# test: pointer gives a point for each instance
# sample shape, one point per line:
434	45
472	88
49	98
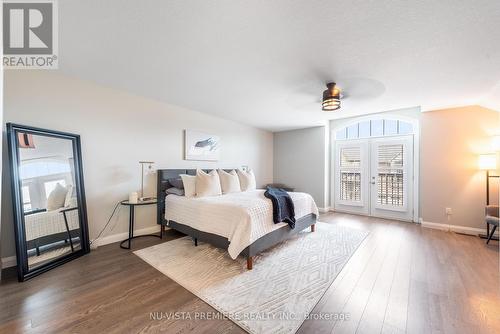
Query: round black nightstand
131	222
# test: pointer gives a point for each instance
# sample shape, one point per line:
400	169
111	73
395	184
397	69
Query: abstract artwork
201	146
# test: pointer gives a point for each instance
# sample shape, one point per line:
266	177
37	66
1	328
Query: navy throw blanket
283	208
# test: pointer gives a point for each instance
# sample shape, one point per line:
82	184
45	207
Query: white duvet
45	223
240	217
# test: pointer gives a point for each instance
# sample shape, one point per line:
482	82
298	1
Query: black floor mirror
48	197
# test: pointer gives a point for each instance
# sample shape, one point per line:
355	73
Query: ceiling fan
305	96
331	97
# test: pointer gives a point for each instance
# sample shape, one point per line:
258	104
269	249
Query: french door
375	177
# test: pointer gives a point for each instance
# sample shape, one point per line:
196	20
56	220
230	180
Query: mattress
49	222
241	217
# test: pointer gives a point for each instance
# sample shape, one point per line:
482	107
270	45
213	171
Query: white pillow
207	184
69	195
247	180
229	182
56	198
189	182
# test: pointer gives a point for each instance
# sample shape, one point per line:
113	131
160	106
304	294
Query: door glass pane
350	157
390	156
390	182
364	129
390	187
350	174
350	186
390	127
377	127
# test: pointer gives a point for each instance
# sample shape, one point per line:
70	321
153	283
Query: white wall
299	161
117	130
452	140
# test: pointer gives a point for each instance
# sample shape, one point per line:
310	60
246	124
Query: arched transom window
374	128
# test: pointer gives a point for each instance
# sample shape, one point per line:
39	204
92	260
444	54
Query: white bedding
240	217
49	222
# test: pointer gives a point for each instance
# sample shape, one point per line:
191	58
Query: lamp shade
487	162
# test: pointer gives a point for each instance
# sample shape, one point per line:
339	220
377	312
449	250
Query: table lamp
149	166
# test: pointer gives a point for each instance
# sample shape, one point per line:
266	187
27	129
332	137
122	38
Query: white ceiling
265	63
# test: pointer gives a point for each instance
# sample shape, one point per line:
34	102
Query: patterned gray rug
286	282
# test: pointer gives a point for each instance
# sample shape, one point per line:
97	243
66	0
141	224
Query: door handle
373	182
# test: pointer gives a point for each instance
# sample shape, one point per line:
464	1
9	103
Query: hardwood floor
403	278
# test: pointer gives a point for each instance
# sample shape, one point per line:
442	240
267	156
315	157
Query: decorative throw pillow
247	180
189	183
207	184
175	191
69	196
176	182
56	198
72	203
229	182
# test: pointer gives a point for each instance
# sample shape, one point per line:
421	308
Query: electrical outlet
448	211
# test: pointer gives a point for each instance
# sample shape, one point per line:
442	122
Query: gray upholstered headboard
162	185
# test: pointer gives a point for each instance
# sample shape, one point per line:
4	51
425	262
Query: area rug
283	287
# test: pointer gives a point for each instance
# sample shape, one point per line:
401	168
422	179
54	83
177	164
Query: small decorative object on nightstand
131	222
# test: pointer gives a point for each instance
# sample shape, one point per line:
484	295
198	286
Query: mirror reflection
49	200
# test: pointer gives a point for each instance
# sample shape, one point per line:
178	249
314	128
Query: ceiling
265	63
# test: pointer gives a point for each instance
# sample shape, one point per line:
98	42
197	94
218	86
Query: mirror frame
23	271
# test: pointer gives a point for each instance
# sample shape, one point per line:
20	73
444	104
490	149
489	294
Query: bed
47	227
241	222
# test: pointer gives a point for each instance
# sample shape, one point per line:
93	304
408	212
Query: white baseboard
7	262
122	236
455	228
436	226
324	210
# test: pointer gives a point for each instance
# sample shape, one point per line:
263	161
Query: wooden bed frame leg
313	227
250	262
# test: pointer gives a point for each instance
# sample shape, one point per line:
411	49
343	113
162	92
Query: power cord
109	220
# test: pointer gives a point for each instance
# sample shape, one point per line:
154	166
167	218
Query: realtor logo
30	34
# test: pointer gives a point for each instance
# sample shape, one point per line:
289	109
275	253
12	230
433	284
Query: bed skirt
257	246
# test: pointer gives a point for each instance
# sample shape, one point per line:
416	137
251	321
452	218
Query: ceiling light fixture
331	97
